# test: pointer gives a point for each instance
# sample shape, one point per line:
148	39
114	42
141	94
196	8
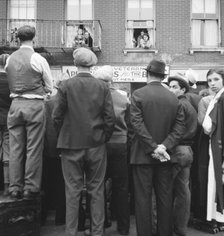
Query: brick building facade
172	26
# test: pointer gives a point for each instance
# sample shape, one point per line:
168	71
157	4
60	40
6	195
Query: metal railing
50	33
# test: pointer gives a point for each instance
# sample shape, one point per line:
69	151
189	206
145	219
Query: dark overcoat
83	112
157	118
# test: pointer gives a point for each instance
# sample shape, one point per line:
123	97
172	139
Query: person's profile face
175	88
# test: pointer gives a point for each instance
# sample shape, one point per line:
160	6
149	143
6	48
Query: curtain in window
150	33
130	38
196	33
71	33
211	33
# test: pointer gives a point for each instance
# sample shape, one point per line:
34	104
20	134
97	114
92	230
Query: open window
80	27
140	25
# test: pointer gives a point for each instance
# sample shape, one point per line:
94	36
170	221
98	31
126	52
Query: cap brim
154	72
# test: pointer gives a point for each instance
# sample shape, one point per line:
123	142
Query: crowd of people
84	133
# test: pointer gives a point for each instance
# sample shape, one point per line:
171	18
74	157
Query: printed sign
121	73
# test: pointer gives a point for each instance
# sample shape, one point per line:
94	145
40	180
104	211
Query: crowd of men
95	125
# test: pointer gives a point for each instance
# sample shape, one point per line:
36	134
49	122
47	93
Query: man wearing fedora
158	123
84	118
182	157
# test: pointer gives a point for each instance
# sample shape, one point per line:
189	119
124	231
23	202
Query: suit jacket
157	118
83	112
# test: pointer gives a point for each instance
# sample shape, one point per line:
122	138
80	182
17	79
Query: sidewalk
51	230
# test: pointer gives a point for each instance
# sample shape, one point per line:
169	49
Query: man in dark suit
158	123
85	119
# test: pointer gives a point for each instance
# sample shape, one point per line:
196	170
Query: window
79	9
79	16
140	21
205	22
21	12
22	9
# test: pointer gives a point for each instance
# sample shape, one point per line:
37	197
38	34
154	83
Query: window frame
24	18
140	24
203	17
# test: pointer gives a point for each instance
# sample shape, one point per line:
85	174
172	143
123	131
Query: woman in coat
214	128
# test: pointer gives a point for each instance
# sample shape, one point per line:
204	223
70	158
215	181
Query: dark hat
26	33
181	79
3	59
157	67
84	57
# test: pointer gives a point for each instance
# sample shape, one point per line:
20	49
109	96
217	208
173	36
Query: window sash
203	9
140	10
79	10
22	9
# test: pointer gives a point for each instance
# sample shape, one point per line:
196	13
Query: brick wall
3	9
50	9
111	14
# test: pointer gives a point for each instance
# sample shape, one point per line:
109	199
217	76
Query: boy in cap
84	117
183	157
158	122
30	79
5	103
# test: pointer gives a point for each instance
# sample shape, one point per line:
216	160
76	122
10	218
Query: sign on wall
133	73
121	73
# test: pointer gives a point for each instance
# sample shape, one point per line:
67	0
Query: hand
159	157
160	153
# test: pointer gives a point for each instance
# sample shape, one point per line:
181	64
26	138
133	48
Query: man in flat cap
182	156
84	118
30	79
158	122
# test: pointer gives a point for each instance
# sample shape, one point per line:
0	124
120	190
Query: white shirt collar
26	46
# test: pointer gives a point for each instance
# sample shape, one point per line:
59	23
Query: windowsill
139	50
193	50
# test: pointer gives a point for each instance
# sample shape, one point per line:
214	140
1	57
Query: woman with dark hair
211	156
145	42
